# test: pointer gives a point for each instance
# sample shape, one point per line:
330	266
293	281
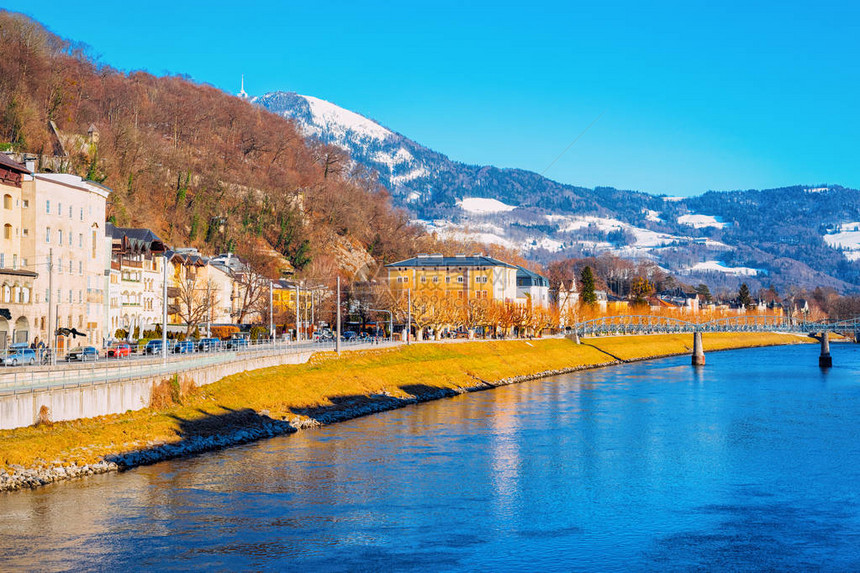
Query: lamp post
409	315
164	310
337	310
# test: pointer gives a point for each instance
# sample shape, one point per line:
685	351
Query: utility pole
313	319
52	329
164	310
409	315
298	325
271	314
209	311
337	329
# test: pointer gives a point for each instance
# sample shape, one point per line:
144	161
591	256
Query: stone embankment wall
100	399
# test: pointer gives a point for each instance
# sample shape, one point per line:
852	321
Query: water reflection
750	462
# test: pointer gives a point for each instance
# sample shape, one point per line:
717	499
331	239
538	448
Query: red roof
7	162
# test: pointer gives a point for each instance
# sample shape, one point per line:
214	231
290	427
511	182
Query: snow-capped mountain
792	236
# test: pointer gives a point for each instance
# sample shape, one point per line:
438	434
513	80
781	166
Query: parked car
19	353
184	347
153	346
209	344
349	335
237	342
82	353
323	336
119	349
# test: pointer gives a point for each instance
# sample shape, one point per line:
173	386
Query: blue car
153	346
209	344
184	347
237	343
18	353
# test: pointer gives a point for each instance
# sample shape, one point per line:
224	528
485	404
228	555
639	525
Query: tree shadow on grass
210	431
354	406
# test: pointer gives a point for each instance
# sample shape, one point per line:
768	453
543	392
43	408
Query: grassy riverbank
353	384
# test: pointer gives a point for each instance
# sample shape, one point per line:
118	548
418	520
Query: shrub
224	332
121	333
258	332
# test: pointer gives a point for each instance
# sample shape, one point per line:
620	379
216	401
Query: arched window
7	293
7	201
7	230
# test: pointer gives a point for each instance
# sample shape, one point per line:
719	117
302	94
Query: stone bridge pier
824	359
698	350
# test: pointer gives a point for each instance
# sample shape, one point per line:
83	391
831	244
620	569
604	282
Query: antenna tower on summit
242	94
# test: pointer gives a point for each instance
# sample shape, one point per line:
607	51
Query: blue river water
750	463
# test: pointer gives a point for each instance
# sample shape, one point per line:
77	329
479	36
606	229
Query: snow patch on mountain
483	206
846	236
718	267
701	221
341	122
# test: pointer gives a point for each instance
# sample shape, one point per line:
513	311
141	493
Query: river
752	462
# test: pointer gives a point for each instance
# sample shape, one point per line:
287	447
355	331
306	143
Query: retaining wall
99	399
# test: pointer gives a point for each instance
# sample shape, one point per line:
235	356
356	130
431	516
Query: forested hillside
196	165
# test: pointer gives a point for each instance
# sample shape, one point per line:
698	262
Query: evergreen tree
703	291
744	295
587	281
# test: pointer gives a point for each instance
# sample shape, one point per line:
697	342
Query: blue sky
693	95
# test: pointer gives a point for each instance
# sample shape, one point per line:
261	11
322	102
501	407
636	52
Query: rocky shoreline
51	472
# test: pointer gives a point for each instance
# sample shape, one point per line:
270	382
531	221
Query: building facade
135	278
66	218
18	269
466	277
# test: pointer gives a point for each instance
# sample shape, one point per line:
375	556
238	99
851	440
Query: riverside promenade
72	391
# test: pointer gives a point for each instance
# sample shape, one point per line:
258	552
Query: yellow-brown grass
286	391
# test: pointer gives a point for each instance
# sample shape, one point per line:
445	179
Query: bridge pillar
698	351
825	360
857	336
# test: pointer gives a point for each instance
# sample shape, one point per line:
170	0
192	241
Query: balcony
132	264
115	266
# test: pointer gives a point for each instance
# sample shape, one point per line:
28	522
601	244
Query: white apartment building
66	221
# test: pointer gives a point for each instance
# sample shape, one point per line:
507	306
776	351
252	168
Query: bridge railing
650	324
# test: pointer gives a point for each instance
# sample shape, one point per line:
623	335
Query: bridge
648	324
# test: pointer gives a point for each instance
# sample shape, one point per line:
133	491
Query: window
25	204
48	207
7	293
71	295
2	260
423	279
60	235
82	213
435	279
25	232
7	231
94	244
15	262
47	234
80	296
7	201
60	209
70	239
81	267
460	279
70	211
71	266
60	265
80	240
447	279
47	299
24	263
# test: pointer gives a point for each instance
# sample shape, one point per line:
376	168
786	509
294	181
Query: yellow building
467	277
